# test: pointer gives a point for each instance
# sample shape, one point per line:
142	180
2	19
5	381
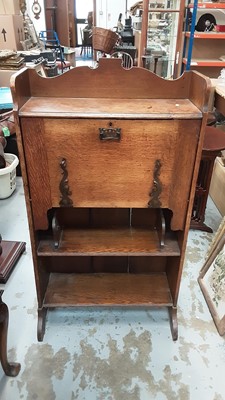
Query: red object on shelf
220	28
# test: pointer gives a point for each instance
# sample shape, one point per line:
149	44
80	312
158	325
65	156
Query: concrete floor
110	354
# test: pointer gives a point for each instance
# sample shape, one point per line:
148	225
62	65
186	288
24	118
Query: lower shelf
117	242
67	290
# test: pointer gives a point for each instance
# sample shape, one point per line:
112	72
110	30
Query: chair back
127	60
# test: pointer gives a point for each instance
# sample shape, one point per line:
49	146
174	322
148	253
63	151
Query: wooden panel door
110	173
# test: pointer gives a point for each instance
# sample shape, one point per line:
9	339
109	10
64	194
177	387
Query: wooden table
10	251
10	369
214	143
219	101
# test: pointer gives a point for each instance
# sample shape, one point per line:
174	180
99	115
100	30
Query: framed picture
212	279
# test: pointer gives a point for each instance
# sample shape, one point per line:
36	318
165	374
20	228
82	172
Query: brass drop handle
110	133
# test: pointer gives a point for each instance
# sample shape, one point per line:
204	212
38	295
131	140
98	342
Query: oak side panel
37	169
184	164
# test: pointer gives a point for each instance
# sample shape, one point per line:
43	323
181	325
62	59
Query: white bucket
8	176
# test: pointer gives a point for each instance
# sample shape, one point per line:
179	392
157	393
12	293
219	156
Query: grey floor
110	354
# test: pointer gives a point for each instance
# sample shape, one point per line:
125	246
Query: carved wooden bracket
156	190
64	186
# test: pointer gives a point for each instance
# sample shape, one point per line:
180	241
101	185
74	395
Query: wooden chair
86	39
127	60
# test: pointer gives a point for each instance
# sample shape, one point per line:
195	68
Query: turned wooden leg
10	369
173	322
41	323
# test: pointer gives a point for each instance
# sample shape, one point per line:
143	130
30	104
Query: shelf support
56	231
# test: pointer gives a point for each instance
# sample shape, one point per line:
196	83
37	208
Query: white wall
39	24
108	12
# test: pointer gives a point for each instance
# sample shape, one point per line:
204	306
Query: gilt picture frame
212	279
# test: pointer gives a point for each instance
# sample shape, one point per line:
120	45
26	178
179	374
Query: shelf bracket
56	231
161	227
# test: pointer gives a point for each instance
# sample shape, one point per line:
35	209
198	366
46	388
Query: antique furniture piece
10	251
10	369
110	161
214	142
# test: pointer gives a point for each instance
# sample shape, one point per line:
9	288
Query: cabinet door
122	171
161	36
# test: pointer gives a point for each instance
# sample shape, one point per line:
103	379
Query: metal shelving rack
208	59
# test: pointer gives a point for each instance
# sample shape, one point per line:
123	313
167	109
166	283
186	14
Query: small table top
214	139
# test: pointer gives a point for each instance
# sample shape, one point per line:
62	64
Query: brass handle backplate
110	133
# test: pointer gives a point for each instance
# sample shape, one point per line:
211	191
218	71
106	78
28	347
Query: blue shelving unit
192	32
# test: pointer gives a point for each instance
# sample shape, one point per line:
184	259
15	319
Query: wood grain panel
111	108
110	173
37	170
184	165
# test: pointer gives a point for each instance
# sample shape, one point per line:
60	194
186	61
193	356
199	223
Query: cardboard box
11	32
5	76
217	186
10	7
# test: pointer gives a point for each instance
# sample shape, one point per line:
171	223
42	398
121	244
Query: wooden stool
214	142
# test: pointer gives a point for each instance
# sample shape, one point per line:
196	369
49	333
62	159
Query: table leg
10	369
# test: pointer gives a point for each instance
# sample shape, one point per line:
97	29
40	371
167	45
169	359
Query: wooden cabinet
161	36
110	160
60	17
204	48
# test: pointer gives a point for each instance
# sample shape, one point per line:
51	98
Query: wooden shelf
68	290
110	108
205	63
121	242
165	10
206	35
218	6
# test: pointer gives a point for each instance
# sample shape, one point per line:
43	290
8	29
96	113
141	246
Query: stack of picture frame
212	278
